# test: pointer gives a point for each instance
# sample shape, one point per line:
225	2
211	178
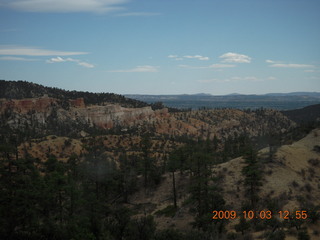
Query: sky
163	46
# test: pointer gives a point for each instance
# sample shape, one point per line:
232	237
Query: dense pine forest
61	179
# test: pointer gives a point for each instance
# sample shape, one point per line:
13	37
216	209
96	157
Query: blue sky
162	46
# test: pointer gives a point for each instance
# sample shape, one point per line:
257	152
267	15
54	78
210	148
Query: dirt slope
291	179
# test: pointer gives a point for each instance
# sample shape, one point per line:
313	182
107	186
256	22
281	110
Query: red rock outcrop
111	115
78	102
106	117
25	105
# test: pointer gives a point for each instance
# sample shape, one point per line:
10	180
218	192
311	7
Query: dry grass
279	182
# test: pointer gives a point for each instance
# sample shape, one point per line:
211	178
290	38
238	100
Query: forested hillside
77	165
24	89
304	115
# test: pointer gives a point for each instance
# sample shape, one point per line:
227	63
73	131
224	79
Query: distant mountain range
279	101
308	94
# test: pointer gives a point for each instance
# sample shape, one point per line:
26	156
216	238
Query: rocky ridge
22	112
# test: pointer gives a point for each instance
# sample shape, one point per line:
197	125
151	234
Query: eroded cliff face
53	116
110	115
24	106
46	110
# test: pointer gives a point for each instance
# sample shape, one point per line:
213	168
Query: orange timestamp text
264	214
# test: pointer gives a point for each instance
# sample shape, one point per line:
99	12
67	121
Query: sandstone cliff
24	106
62	117
46	110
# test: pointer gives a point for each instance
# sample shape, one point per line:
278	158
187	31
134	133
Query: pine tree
172	167
20	184
127	178
253	177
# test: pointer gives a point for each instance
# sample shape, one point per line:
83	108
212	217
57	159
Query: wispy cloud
175	57
145	68
235	58
214	66
138	14
219	65
34	51
311	70
85	64
79	62
57	60
10	58
198	57
270	61
292	65
279	64
96	6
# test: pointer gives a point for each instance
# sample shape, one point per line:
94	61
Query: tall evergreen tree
20	198
172	167
253	176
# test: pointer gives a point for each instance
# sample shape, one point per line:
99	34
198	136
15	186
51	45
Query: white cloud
292	65
175	57
199	57
279	64
55	60
34	51
10	58
97	6
270	61
79	62
235	58
85	64
221	66
215	66
145	68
